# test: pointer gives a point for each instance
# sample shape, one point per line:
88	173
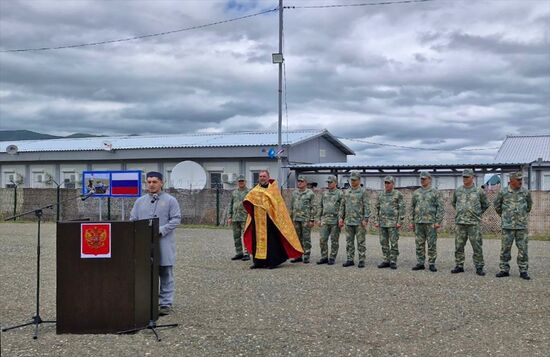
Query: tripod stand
36	319
38	212
152	324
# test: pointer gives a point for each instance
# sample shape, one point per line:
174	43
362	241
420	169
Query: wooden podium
106	294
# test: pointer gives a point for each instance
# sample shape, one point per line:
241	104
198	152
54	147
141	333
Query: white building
41	163
530	154
534	152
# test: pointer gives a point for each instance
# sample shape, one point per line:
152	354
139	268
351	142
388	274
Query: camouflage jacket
427	206
390	209
302	206
236	209
513	207
470	203
329	206
355	206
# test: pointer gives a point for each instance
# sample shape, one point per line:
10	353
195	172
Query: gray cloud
445	75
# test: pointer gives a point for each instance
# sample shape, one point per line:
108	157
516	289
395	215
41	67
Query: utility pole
280	142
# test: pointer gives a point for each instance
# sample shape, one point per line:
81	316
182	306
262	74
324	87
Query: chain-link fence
210	206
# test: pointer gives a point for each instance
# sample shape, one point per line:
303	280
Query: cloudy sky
454	77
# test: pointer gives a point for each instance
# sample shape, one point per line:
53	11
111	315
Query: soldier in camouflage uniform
470	202
513	205
302	211
390	213
327	217
354	213
427	212
237	218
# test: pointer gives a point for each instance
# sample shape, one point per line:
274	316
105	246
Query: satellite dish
12	149
188	175
107	146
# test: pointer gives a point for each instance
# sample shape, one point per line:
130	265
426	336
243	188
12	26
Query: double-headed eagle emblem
96	237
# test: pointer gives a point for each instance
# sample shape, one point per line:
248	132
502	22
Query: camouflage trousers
238	228
352	233
465	232
521	237
425	232
389	238
332	231
304	234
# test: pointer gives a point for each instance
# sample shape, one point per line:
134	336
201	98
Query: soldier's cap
467	173
354	175
241	178
517	175
154	174
389	179
424	174
332	179
302	178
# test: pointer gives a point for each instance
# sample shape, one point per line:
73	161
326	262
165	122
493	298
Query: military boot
384	265
480	272
322	261
361	264
457	270
238	256
502	274
330	261
393	265
348	263
433	268
524	275
418	267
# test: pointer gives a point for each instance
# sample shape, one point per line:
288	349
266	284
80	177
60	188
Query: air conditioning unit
19	179
229	178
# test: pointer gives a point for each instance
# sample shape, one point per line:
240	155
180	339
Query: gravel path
224	308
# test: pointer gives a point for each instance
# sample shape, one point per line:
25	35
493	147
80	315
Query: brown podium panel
108	294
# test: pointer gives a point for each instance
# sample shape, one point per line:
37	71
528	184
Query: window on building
545	182
255	177
9	179
38	179
167	181
216	180
69	179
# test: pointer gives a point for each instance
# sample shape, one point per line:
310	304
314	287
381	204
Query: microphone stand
152	324
38	212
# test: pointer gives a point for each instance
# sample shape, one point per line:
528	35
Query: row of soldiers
350	210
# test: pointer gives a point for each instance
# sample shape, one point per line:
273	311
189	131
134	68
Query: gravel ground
224	308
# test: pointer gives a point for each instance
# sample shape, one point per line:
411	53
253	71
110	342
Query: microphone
154	198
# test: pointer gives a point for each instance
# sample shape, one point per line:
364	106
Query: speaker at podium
104	275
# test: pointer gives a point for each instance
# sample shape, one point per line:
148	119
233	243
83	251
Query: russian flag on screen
125	183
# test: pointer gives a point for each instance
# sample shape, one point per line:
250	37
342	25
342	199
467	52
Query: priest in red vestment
269	234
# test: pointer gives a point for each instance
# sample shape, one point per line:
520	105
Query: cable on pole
141	36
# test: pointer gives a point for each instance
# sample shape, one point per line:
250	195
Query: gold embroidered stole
269	202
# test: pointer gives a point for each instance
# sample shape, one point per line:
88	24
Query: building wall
316	151
14	171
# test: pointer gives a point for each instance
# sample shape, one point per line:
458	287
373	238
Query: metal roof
524	148
343	167
250	138
360	166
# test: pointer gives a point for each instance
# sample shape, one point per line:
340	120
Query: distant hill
14	135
